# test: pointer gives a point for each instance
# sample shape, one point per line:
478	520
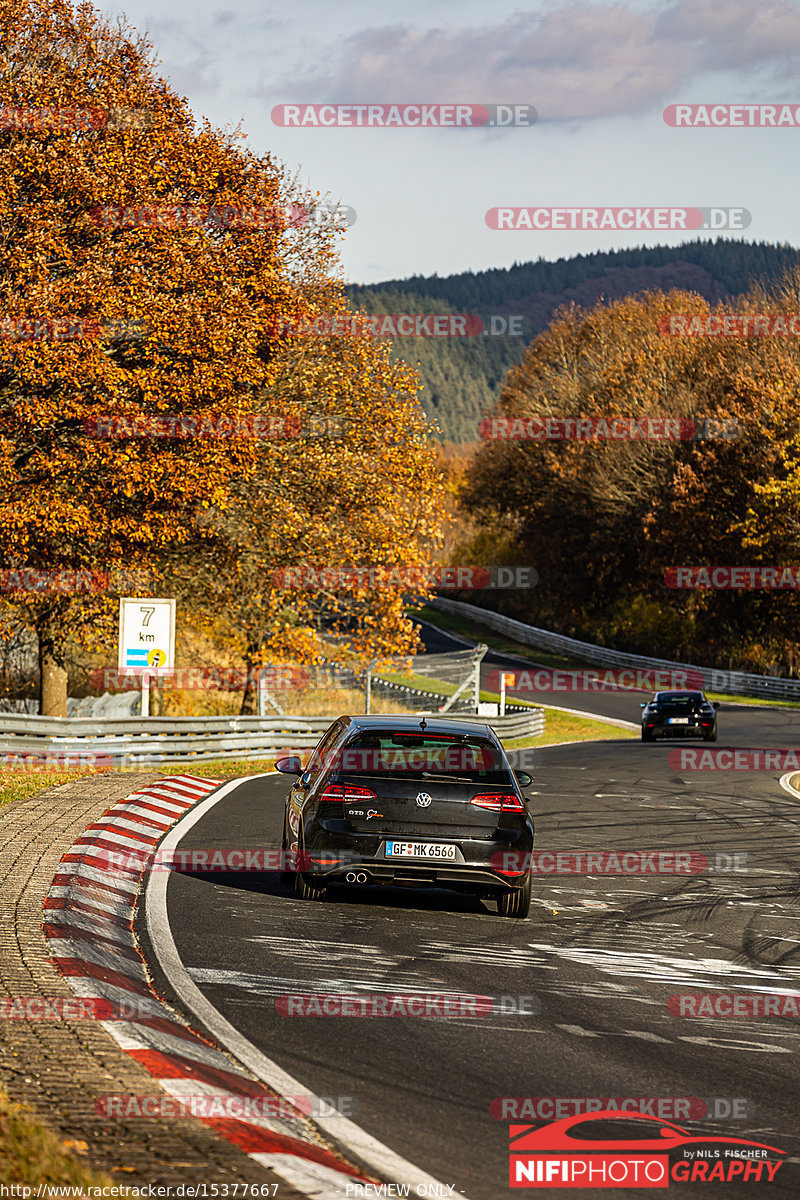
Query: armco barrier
733	683
143	740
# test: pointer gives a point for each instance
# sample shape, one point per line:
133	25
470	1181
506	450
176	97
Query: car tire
286	874
305	890
710	737
647	736
517	901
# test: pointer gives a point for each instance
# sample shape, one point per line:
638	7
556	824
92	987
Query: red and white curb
89	922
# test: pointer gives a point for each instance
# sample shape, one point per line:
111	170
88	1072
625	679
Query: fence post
480	651
368	687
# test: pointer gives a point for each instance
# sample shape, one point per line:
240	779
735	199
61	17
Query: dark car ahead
679	714
410	801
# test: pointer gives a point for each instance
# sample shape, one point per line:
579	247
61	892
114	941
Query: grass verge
725	697
563	727
31	1154
495	641
17	783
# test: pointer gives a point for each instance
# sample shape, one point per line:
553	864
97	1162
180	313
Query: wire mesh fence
447	683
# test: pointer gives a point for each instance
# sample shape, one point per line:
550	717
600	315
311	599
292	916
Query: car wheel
517	901
710	737
647	735
305	890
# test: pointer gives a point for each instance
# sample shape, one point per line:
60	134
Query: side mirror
524	778
290	765
642	706
716	704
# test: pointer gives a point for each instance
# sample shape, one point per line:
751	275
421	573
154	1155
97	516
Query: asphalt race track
600	954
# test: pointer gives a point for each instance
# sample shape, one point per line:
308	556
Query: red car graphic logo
569	1153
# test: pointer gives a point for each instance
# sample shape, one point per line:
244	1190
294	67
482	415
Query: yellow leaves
209	299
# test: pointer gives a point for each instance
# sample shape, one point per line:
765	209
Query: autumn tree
572	508
207	291
358	486
734	502
603	520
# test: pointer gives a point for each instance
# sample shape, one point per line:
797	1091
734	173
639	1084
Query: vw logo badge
423	799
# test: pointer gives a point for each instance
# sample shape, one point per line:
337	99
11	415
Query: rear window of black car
420	756
680	700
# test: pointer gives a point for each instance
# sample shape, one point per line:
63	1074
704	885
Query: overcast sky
599	75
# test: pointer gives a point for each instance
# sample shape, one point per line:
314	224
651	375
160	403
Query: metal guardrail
735	683
192	739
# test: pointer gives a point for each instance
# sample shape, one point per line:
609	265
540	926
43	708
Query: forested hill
463	376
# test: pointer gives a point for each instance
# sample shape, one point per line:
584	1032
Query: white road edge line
368	1149
787	786
577	712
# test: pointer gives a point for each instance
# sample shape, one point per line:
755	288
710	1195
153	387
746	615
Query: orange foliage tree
208	296
603	520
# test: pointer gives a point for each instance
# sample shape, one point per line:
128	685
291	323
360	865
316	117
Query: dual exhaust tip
352	877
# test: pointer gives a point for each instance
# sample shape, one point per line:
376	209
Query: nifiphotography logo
619	1149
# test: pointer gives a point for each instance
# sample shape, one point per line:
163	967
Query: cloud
735	33
578	61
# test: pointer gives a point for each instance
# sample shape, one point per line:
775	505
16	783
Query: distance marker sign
146	634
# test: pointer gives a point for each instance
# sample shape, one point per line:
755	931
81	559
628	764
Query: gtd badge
423	799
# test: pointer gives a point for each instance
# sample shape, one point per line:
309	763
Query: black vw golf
410	801
679	714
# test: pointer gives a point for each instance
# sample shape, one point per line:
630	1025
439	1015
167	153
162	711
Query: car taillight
498	802
347	791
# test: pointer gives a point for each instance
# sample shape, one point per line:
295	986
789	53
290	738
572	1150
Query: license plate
420	850
679	720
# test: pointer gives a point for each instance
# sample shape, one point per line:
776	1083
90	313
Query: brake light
341	792
498	802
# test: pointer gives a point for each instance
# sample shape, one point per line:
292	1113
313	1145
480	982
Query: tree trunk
52	674
250	695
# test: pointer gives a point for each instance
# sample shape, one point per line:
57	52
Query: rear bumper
680	731
418	875
333	857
